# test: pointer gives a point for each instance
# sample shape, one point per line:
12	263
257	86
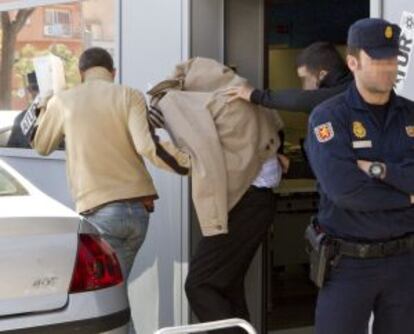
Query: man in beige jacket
107	135
235	165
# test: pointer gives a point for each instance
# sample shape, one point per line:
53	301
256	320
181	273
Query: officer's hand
242	92
284	162
364	166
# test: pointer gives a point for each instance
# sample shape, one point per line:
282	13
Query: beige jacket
106	132
228	143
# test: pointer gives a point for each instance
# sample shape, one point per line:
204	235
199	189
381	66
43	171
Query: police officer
361	148
323	74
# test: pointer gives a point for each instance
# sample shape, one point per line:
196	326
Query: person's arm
335	165
294	99
164	155
49	128
396	174
400	175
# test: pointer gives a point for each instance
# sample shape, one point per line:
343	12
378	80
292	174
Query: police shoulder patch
324	132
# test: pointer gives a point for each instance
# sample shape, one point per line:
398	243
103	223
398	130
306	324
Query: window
58	23
9	185
57	30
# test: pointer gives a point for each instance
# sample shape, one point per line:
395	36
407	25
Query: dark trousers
359	287
215	282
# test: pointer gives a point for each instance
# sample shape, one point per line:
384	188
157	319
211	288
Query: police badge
388	32
359	130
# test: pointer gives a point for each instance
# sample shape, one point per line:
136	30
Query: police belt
375	249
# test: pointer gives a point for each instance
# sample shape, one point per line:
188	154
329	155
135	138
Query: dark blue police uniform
357	208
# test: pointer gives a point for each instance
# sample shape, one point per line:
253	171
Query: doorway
290	26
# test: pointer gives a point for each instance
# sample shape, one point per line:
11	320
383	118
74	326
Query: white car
58	275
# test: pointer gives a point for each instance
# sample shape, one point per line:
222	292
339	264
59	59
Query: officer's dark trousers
215	283
357	288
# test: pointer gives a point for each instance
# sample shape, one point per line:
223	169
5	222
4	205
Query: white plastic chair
208	326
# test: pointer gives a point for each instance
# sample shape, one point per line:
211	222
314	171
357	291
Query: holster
321	254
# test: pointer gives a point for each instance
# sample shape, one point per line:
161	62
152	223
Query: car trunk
37	255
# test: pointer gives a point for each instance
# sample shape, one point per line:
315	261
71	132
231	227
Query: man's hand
242	92
366	165
284	162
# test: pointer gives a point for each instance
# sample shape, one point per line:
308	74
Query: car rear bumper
104	324
102	311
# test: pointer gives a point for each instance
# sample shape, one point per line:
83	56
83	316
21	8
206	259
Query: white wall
155	37
244	35
244	47
207	29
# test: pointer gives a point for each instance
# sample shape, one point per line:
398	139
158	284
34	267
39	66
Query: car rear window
9	185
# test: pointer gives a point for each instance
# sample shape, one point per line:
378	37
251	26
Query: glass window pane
9	185
64	30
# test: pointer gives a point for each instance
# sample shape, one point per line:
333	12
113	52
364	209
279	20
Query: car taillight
96	267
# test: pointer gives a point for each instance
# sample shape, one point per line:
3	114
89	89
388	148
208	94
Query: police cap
377	37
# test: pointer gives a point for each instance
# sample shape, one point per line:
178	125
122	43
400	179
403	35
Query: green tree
10	28
24	63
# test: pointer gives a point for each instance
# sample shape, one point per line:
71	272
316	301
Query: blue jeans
124	226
